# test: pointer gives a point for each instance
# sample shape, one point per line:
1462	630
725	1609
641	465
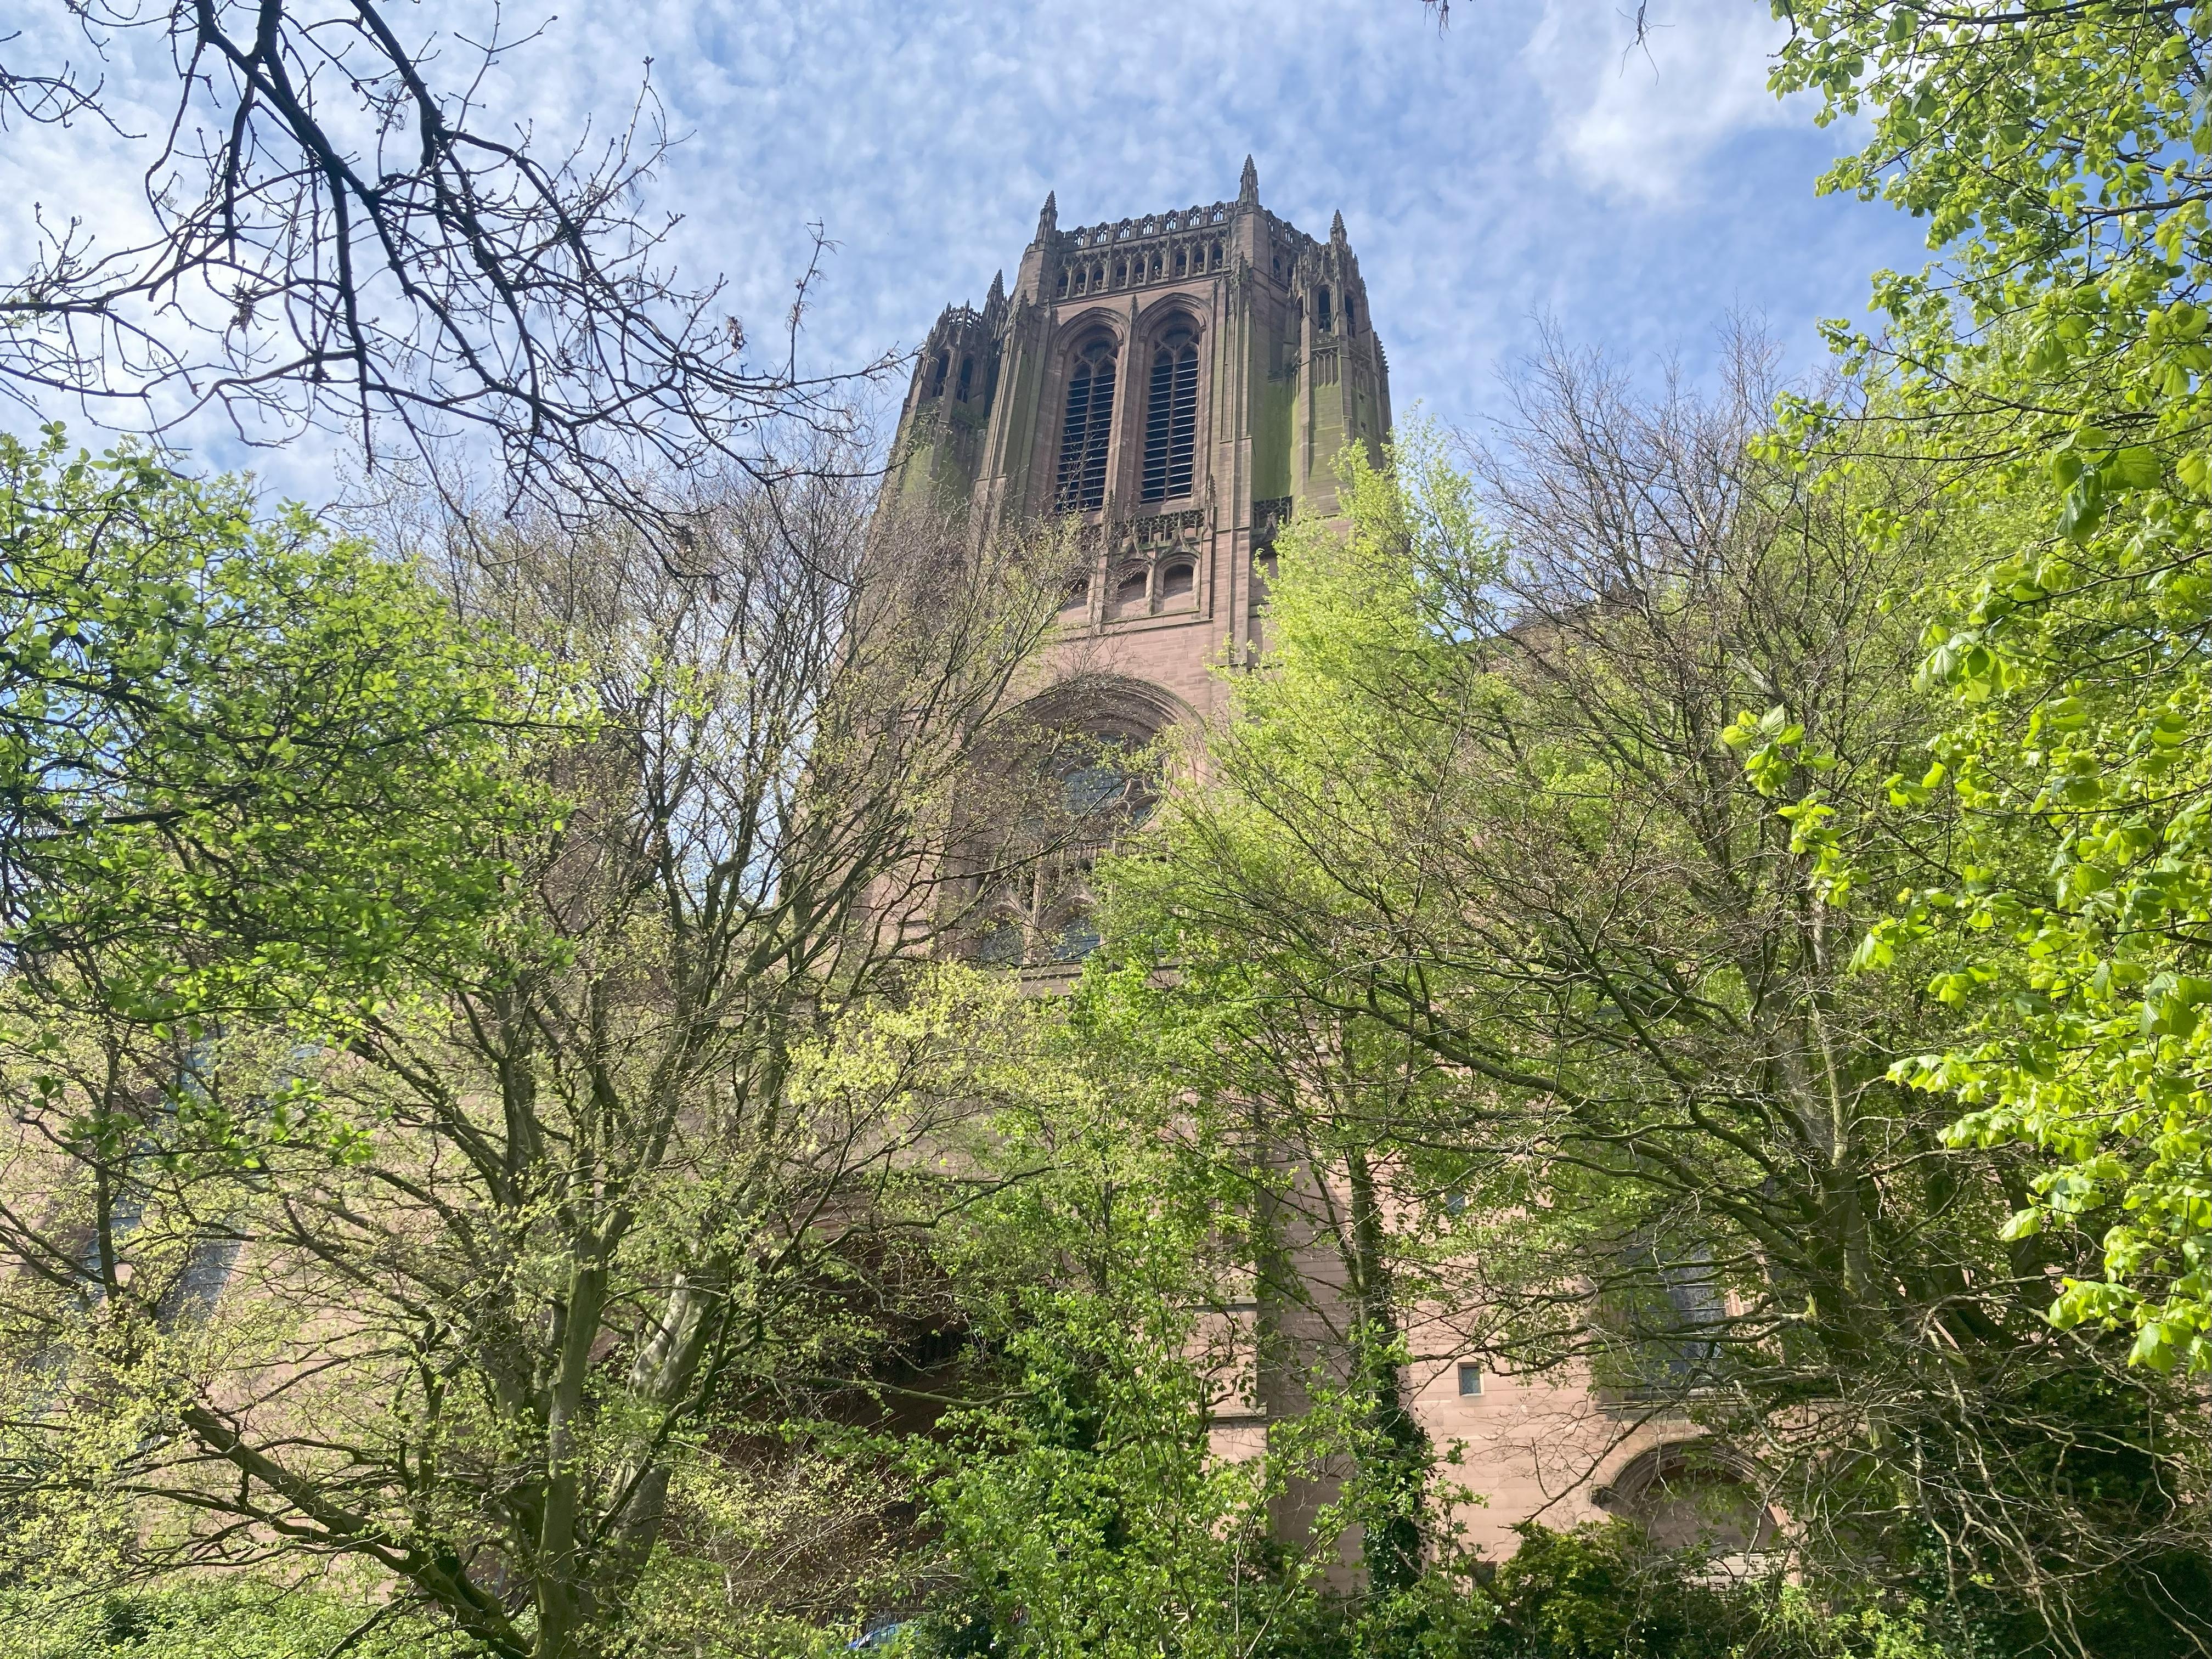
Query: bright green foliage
1472	917
240	1620
608	1189
2057	366
1077	1496
245	765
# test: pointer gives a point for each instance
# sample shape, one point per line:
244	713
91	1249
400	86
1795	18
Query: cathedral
1182	383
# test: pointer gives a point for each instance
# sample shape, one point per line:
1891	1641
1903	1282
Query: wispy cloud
1512	166
1641	94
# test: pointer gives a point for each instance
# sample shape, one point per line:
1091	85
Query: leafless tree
343	235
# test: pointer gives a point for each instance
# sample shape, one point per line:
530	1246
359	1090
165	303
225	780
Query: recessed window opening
1097	276
1171	418
1320	309
1347	314
1000	945
1217	252
967	379
1079	595
1086	425
1132	590
1156	265
1121	272
1063	284
937	375
1182	261
1076	939
1174	582
1470	1381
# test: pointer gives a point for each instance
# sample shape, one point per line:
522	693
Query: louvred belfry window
1084	432
1171	419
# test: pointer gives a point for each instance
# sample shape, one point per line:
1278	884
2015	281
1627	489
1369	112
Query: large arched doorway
1692	1495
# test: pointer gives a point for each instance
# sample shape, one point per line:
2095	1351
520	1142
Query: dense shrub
235	1621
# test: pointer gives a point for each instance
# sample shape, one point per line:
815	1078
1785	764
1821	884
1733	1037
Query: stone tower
1184	381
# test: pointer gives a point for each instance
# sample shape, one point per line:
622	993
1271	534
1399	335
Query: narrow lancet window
1087	425
1171	419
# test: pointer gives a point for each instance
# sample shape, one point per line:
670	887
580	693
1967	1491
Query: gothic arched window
967	379
1085	428
1320	309
1076	938
1171	418
1002	943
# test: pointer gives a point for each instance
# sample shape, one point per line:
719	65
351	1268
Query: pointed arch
1086	427
1171	416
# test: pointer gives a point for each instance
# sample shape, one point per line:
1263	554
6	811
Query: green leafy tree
1076	1497
527	1248
2055	363
1586	982
244	764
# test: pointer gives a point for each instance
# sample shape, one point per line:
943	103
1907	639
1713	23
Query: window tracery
1098	787
1086	426
1171	418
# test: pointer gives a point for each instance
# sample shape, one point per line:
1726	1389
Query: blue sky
1526	162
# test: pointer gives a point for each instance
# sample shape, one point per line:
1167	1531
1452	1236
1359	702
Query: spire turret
1248	187
1049	219
1336	228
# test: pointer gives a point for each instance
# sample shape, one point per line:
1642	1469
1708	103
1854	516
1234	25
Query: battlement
1153	225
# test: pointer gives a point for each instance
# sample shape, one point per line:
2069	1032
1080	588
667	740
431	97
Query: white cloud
1482	170
1640	119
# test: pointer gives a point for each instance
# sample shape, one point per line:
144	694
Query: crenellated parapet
1171	246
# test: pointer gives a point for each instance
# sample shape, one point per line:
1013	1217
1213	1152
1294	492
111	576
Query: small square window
1470	1381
